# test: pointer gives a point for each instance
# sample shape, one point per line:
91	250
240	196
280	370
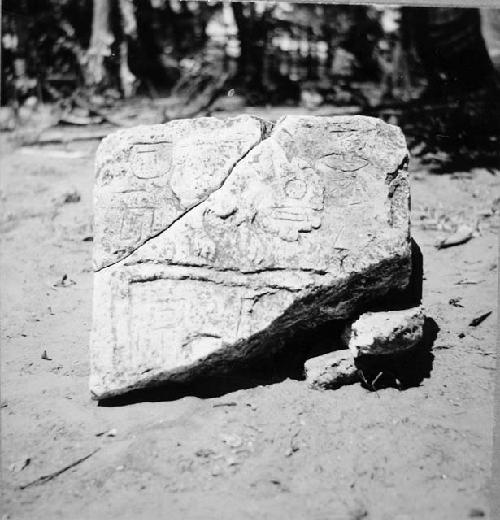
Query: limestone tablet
214	239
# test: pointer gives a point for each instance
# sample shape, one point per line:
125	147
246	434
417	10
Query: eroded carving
180	320
151	160
200	167
297	202
137	223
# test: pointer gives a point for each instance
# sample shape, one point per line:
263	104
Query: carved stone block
214	239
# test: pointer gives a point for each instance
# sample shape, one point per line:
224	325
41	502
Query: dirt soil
270	452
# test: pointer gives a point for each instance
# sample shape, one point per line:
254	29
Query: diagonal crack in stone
265	134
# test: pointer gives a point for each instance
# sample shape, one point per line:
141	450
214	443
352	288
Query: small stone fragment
108	433
216	471
477	321
461	236
71	197
389	332
18	466
64	282
204	453
220	405
232	461
233	441
331	370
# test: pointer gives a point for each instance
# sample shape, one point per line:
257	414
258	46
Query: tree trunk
252	34
490	28
129	27
242	25
451	48
100	44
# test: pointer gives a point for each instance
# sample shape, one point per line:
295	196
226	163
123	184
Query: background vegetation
430	70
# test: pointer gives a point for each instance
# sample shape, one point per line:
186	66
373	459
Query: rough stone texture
214	239
331	370
388	332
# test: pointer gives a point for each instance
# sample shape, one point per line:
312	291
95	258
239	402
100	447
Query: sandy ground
269	452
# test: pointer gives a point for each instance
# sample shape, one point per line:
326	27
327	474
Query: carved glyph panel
180	320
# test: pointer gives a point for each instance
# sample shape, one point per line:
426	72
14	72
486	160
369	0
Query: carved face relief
294	204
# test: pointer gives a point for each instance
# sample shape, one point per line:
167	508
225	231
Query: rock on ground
332	370
216	239
390	332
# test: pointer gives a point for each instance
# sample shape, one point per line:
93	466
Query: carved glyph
151	160
294	204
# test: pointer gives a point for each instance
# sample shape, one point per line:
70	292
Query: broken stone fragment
331	370
215	240
375	333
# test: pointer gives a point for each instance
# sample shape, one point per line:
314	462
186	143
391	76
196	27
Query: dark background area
434	71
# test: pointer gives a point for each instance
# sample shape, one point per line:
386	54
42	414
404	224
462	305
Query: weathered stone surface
213	239
375	333
331	370
150	176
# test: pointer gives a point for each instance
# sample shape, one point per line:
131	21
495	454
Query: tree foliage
52	47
